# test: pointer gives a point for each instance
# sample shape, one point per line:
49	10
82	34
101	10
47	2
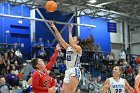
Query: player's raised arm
61	40
54	57
73	41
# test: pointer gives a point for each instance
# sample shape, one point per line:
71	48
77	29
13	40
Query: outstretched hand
52	24
58	47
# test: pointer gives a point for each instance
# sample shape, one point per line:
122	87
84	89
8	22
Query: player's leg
65	88
73	84
65	82
74	79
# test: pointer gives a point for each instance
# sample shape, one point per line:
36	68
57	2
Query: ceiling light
92	1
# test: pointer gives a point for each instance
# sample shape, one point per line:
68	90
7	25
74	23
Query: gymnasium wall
117	42
135	41
43	31
19	30
100	33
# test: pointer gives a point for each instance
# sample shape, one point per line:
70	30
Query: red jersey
135	88
41	81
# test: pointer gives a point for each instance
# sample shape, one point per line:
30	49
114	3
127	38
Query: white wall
117	37
117	40
135	41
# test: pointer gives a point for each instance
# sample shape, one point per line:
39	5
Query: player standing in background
116	83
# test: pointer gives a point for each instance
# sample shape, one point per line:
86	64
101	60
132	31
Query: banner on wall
112	27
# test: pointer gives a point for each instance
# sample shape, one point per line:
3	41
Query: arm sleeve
52	60
53	83
35	83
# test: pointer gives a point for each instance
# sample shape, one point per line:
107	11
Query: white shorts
74	71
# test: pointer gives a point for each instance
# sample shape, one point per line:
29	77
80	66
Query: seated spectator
40	43
110	57
12	79
48	44
41	53
129	70
34	44
14	70
122	55
18	53
16	65
62	67
4	88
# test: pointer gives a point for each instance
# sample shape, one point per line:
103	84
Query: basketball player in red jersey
41	81
137	82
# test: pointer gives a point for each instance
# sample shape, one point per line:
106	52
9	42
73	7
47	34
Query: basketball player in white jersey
116	83
73	54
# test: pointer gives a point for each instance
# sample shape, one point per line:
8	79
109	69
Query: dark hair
34	63
78	39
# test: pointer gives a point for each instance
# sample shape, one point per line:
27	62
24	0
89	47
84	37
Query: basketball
51	6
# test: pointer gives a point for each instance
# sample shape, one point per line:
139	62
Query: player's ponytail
121	70
78	39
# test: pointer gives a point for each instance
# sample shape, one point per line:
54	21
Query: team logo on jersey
46	83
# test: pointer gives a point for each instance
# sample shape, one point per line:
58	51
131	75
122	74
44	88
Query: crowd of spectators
11	64
98	69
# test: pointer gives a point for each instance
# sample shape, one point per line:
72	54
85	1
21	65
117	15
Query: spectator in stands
111	57
12	79
4	88
6	49
62	67
48	44
14	70
8	69
40	43
122	55
15	46
41	53
33	48
11	52
18	53
16	65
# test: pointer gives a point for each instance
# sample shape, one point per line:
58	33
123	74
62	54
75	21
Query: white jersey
72	58
117	87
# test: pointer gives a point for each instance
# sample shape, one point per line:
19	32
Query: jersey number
68	58
118	90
